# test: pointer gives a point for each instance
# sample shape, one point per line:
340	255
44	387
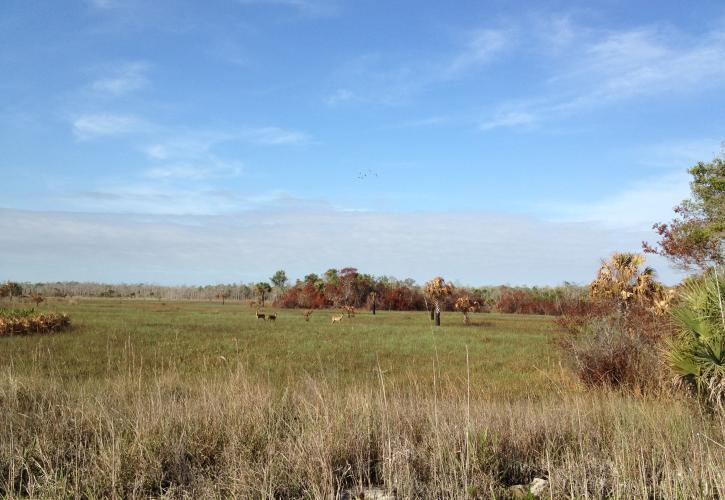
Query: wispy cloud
422	122
103	4
341	96
123	79
167	141
191	154
636	206
309	8
212	168
382	79
275	136
92	126
510	119
647	61
481	47
593	69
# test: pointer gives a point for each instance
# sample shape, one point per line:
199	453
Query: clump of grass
27	321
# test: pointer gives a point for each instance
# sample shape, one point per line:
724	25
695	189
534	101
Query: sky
186	142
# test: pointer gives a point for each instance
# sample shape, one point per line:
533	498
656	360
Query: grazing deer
272	316
337	319
260	315
307	314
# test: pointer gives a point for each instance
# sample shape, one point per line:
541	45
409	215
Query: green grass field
202	400
509	355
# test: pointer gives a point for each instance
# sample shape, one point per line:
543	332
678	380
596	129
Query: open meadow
172	398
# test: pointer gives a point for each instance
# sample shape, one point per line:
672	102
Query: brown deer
37	298
337	319
272	316
307	314
350	310
260	315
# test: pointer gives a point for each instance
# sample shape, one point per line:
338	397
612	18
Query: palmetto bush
697	353
27	321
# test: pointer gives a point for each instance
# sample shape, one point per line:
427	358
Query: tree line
334	288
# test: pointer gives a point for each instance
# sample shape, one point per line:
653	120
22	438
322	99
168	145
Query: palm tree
697	353
262	288
621	281
466	305
437	290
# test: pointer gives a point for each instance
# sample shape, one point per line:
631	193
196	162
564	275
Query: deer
272	316
337	319
307	314
37	298
350	310
260	315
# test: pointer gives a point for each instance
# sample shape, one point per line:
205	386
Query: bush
615	350
27	321
697	352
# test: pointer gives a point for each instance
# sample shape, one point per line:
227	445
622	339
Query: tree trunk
438	315
373	307
432	314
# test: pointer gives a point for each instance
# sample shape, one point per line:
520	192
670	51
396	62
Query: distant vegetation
335	289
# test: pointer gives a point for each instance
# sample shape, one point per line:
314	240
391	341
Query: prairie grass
198	400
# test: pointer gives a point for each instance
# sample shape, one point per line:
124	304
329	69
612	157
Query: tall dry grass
139	434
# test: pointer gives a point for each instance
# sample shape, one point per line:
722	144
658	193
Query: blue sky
193	142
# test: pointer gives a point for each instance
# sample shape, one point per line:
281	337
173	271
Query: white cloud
646	61
637	206
341	96
122	80
91	126
481	248
510	119
481	47
381	79
104	4
310	8
594	69
210	169
275	136
429	121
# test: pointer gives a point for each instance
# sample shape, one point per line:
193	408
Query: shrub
605	350
27	321
697	352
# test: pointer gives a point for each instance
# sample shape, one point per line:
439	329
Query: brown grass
198	403
135	435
